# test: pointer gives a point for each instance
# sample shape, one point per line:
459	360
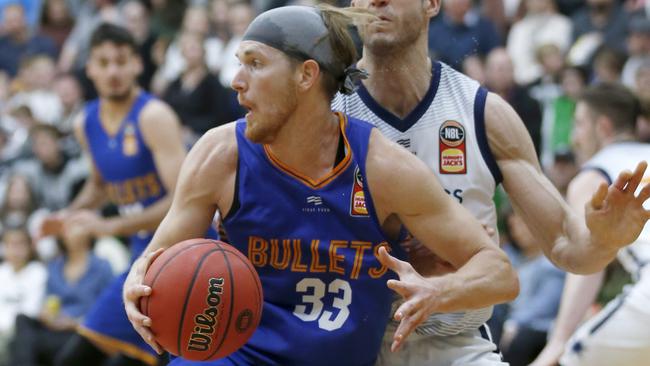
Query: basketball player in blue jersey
472	140
315	200
134	144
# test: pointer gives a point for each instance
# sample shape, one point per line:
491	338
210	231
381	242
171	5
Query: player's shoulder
156	112
215	151
449	76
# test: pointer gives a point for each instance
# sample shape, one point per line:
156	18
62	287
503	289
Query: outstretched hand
134	289
615	215
419	296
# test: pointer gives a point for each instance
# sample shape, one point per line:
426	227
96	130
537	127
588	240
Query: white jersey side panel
611	161
447	132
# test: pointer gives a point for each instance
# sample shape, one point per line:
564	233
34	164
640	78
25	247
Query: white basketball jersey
447	131
611	161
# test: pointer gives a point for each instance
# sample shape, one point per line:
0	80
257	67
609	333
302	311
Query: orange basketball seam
161	270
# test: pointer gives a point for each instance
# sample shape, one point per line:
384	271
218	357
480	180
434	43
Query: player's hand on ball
419	295
615	215
134	289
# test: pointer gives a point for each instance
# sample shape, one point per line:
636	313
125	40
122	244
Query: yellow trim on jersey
321	182
116	345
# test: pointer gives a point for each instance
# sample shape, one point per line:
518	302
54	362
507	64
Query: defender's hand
91	222
52	224
615	215
419	296
134	289
425	261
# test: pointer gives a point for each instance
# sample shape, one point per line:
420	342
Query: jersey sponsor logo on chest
453	151
358	197
129	141
315	205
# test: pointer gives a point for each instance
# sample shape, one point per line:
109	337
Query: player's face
265	87
113	70
400	23
585	137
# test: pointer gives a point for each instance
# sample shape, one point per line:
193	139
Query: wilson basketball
206	299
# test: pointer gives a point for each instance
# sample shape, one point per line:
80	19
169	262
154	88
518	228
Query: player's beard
120	96
264	125
385	44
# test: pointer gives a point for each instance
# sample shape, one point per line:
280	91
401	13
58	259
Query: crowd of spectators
536	54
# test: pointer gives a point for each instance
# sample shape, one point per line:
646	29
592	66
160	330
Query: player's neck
308	142
113	111
76	256
399	81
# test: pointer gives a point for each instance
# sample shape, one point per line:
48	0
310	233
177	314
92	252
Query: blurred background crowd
537	54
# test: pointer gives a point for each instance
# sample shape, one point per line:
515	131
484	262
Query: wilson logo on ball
201	338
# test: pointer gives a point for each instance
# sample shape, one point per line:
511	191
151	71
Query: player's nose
238	83
378	3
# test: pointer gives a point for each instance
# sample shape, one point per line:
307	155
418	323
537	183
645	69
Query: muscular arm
206	183
403	187
161	132
566	239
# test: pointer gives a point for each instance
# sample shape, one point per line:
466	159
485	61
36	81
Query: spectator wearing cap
16	40
638	48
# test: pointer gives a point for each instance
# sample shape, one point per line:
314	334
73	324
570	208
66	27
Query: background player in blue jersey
134	144
310	196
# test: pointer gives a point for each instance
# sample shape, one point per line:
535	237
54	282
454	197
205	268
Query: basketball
206	299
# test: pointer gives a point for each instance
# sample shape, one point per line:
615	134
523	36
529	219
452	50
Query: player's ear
431	7
309	73
605	126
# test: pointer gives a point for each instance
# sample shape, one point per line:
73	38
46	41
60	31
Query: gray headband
300	32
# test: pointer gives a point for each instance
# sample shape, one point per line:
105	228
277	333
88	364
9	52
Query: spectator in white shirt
23	284
542	25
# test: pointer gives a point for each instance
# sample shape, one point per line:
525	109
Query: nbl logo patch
453	152
358	197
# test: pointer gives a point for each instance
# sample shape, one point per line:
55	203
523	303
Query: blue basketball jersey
125	164
314	245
